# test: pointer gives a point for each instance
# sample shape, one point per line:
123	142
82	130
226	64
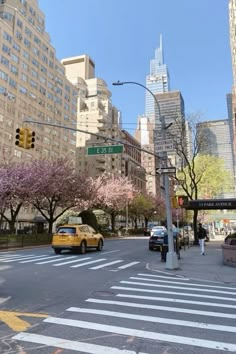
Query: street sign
168	170
104	150
164	145
205	204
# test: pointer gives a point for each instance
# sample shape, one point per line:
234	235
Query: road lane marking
171	321
86	263
162	276
110	252
184	288
128	265
39	259
197	342
70	345
12	320
56	260
106	264
165	299
179	282
162	308
68	262
20	258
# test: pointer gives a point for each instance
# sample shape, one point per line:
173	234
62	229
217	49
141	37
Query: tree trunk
195	215
135	223
12	224
50	225
113	219
146	222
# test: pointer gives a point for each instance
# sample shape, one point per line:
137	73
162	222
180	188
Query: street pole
171	258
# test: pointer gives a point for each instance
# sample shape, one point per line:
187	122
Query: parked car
157	238
158	227
150	225
76	238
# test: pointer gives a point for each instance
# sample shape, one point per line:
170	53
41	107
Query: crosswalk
76	261
146	314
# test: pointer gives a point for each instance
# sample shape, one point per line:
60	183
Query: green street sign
104	150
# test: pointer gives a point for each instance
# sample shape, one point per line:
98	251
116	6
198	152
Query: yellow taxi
76	238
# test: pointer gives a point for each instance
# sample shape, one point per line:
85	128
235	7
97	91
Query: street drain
103	293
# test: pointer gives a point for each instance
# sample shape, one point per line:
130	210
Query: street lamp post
171	259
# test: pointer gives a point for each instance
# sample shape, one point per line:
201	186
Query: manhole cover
103	293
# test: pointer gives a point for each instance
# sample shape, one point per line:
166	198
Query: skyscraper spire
161	42
158	78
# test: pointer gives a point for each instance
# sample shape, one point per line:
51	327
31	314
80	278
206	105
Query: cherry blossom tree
112	195
14	188
56	187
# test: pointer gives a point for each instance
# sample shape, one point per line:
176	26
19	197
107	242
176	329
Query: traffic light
29	139
20	137
174	202
182	201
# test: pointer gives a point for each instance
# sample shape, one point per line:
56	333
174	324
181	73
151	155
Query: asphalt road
109	302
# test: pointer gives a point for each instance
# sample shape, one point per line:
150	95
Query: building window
3	75
5	61
16	47
15	58
19	23
28	32
24	65
14	70
26	55
7	37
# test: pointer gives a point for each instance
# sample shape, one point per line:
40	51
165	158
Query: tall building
101	120
144	134
217	141
32	85
171	110
96	115
231	100
157	81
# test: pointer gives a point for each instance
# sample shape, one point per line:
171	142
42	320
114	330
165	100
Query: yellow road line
12	320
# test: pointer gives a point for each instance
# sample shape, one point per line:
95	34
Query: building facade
32	85
101	120
96	116
216	140
157	81
171	114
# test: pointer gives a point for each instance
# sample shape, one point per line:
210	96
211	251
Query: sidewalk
193	265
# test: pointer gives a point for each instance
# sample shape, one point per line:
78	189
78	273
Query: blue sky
121	37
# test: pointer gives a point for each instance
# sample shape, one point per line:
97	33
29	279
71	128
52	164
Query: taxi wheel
83	247
57	250
100	245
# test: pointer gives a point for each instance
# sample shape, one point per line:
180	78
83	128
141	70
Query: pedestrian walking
202	234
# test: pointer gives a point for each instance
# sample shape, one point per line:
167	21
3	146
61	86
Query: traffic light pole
171	257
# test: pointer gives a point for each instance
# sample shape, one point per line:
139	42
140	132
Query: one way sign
168	170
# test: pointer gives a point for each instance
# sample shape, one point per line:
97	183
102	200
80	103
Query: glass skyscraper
157	81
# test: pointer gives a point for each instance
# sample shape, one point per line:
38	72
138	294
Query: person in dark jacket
202	234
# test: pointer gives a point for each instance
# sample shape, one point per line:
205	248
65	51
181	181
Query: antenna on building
161	41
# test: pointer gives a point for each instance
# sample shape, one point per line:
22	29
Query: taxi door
84	229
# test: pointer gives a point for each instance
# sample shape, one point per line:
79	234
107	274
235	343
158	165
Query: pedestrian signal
182	201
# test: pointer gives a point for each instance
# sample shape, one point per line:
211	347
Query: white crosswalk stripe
63	260
133	313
